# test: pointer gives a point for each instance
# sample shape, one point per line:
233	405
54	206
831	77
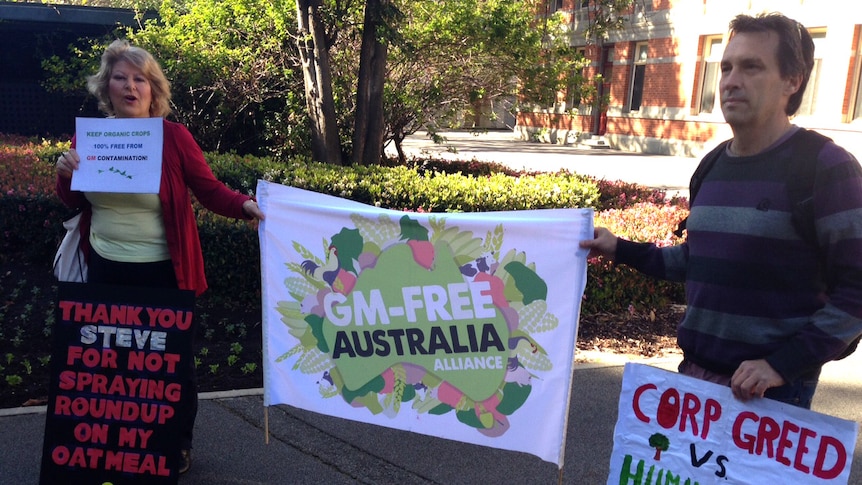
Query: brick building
661	75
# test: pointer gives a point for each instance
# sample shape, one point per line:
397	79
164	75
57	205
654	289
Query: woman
148	239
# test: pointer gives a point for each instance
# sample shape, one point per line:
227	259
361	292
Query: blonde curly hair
121	50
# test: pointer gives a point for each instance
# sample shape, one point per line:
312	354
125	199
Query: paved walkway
307	448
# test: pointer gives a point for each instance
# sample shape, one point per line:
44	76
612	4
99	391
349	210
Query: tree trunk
314	55
398	140
368	123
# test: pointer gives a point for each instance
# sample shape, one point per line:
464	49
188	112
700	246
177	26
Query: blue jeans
796	393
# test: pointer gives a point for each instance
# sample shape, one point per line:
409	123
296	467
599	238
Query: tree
345	76
380	17
231	66
557	68
606	16
452	62
317	75
660	442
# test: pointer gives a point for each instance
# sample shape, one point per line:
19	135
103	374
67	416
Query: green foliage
411	189
238	83
608	16
452	62
138	5
32	216
69	73
232	64
556	67
234	81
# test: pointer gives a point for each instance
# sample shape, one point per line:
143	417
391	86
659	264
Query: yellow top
128	227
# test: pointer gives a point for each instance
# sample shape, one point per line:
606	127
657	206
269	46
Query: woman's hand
251	209
67	162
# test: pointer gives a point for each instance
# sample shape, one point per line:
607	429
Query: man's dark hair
795	48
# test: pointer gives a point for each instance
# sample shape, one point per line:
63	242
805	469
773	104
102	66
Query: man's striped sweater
754	287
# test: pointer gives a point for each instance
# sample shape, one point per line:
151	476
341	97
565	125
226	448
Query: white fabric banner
676	429
455	325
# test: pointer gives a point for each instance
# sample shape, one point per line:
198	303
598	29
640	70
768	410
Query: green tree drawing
660	443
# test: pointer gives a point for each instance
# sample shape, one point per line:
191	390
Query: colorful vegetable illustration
417	238
357	256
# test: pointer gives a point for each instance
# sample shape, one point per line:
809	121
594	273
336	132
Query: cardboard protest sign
121	370
121	155
676	429
459	326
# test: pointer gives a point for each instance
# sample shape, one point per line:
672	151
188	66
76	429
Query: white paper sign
677	429
119	155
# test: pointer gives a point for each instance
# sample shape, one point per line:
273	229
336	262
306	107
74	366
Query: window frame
808	106
855	114
638	75
710	75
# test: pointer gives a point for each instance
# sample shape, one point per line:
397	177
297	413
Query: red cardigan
183	168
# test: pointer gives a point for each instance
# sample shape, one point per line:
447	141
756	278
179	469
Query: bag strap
800	183
703	168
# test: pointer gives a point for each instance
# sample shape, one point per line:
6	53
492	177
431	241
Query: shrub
612	288
619	195
32	216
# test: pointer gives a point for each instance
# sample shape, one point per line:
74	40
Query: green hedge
31	215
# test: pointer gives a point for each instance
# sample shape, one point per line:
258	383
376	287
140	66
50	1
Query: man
765	307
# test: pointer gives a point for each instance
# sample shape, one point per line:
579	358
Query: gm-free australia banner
673	428
460	326
120	375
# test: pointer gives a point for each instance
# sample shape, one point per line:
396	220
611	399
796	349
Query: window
712	51
638	74
554	5
809	99
582	10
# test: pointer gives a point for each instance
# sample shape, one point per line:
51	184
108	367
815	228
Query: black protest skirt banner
121	378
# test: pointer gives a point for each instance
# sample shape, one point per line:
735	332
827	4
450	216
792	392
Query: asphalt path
301	447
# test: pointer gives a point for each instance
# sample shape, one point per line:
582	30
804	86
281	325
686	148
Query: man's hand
753	378
604	244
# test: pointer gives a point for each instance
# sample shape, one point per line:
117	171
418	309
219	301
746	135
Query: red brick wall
556	121
651	128
663	129
662	86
